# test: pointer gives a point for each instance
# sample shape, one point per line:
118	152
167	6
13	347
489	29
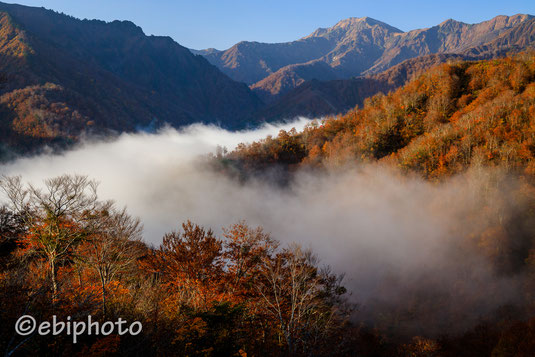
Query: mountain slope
448	37
352	47
441	122
290	77
516	39
349	47
319	98
110	74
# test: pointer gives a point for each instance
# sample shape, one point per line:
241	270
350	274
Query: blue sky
219	23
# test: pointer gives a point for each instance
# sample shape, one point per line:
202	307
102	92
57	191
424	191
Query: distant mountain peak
352	21
451	22
500	19
358	46
353	24
127	26
507	21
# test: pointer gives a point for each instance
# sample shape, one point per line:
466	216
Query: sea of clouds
387	232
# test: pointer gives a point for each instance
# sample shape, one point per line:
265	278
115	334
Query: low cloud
397	238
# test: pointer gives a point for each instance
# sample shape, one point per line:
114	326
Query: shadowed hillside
62	76
316	98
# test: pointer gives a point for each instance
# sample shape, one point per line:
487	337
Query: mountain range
360	46
61	77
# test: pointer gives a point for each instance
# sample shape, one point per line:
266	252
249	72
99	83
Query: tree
245	251
305	301
112	249
190	264
58	217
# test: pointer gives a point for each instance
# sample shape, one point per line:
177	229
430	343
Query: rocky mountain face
349	47
60	76
356	47
515	39
448	37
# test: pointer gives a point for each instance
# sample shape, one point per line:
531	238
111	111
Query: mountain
356	47
349	47
290	77
448	37
443	121
317	98
60	77
322	97
515	39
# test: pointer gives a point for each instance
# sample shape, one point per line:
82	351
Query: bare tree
56	217
305	300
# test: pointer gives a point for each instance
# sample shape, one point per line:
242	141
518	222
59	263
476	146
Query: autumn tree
113	248
246	249
58	217
190	264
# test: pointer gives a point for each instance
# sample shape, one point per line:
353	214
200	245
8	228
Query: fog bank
389	233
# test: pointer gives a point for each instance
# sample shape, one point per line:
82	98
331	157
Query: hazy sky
215	23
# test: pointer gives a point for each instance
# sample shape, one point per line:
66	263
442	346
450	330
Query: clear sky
221	23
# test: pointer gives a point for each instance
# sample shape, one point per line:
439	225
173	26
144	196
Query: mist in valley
399	240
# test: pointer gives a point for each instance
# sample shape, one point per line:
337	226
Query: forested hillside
61	77
463	133
468	121
452	117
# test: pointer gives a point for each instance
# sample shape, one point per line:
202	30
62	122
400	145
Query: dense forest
453	117
66	252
